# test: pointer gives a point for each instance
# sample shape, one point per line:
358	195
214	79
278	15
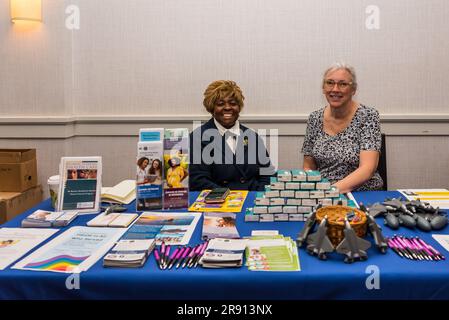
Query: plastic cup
53	186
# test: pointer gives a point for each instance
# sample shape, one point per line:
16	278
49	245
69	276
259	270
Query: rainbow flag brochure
16	242
73	251
233	203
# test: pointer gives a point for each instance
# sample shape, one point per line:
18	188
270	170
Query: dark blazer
222	168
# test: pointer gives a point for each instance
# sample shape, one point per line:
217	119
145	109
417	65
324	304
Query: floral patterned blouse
337	156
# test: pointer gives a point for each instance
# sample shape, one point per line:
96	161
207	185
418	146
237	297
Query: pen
203	249
156	256
172	257
166	258
180	252
184	255
195	256
189	257
162	252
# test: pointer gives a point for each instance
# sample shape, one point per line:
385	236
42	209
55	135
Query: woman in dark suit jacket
224	153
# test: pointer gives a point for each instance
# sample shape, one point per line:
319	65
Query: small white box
313	175
332	193
290	209
277	185
262	201
280	217
295	217
323	185
275	209
272	194
325	202
292	185
316	194
302	194
277	201
287	193
284	175
307	185
252	218
266	218
293	202
260	209
309	202
299	175
303	209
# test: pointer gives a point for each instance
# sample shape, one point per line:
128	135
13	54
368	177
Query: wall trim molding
63	127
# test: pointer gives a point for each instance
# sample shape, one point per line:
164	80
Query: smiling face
226	111
340	93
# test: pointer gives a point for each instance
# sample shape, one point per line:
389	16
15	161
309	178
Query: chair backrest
382	167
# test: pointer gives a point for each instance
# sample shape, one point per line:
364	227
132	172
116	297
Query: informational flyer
233	203
80	184
435	197
74	251
174	228
219	225
15	242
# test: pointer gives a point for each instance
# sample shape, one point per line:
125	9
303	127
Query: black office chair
382	167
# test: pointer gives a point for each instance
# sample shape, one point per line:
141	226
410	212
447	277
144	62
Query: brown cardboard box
18	169
15	203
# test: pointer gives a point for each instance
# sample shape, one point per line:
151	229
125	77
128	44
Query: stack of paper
272	253
114	219
224	253
47	219
129	253
123	193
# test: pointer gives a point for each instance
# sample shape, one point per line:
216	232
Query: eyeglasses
329	84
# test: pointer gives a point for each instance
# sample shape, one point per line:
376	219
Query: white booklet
44	219
123	192
114	219
15	242
222	253
80	184
74	251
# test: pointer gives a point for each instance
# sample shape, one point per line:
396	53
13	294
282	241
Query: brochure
149	170
272	253
234	202
46	219
80	184
74	251
224	253
176	168
15	242
435	197
114	219
129	253
174	228
219	225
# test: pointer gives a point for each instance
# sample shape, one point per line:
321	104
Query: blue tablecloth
331	279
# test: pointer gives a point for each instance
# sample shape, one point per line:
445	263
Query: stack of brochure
224	253
47	219
129	253
272	253
219	225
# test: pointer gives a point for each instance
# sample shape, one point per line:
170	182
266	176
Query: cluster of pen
181	257
414	248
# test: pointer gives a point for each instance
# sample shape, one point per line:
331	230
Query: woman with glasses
343	139
223	152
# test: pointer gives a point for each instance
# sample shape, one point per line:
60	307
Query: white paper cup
53	186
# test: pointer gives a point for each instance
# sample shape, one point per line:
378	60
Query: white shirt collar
235	129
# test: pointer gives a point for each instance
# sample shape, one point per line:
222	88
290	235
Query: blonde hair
342	65
222	89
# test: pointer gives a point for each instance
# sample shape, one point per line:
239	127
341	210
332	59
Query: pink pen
426	247
190	256
414	249
173	256
166	256
184	255
195	256
203	249
156	255
401	247
423	250
178	256
162	252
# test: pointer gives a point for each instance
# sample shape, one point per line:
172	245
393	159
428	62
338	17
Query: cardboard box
18	169
15	203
